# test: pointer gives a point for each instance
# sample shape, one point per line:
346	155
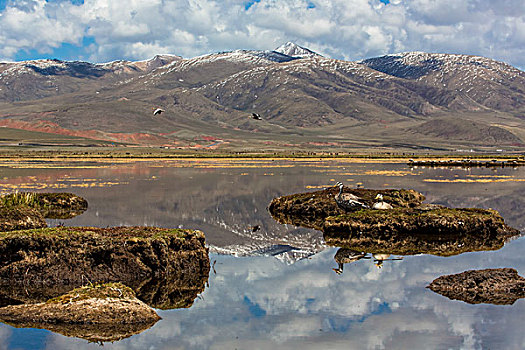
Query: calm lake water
275	288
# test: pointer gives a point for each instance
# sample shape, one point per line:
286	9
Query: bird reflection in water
347	256
380	258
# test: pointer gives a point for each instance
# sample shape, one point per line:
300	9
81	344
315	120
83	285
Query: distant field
79	152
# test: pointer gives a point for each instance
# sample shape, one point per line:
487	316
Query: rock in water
27	210
491	286
105	312
20	218
312	208
166	267
402	231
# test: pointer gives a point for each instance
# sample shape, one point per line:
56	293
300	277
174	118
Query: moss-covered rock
402	231
166	267
27	210
20	218
102	312
50	205
491	286
312	208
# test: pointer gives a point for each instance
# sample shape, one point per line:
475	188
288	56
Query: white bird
381	204
158	111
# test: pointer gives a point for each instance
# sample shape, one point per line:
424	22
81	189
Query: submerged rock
312	208
166	267
106	312
491	286
401	231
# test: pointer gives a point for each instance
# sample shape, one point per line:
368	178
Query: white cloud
307	306
350	29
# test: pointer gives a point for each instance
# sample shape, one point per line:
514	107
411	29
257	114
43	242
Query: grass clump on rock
27	210
51	205
20	218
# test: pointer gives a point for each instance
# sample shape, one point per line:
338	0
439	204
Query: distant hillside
466	130
411	100
465	79
20	137
29	80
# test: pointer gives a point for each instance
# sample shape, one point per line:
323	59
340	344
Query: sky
106	30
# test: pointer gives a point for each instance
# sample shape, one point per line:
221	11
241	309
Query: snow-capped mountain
294	50
294	90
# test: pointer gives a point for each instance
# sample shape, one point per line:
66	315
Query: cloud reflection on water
308	306
261	303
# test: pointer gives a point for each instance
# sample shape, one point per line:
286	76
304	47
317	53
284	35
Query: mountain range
414	101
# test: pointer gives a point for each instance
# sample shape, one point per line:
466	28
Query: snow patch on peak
294	50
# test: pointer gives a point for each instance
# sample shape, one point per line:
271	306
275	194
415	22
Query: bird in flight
158	111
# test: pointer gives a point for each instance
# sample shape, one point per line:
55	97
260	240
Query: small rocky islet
98	313
408	227
68	276
501	286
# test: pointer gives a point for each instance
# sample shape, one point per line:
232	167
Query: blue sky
105	30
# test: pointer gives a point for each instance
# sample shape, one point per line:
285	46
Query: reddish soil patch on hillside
53	128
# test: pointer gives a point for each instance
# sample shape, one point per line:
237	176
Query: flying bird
158	111
256	116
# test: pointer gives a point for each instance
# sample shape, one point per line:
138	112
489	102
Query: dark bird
347	256
256	116
158	111
348	201
256	228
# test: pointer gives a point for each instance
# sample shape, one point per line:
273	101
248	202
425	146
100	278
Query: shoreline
154	154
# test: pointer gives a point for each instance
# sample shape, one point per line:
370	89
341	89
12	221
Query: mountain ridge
303	98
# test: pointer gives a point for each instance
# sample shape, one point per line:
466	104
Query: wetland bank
275	287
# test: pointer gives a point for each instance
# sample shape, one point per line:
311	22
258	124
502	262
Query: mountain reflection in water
257	301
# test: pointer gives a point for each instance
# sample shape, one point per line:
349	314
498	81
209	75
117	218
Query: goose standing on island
348	201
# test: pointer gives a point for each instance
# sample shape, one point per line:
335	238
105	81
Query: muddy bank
491	286
166	267
106	312
440	231
26	210
312	208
